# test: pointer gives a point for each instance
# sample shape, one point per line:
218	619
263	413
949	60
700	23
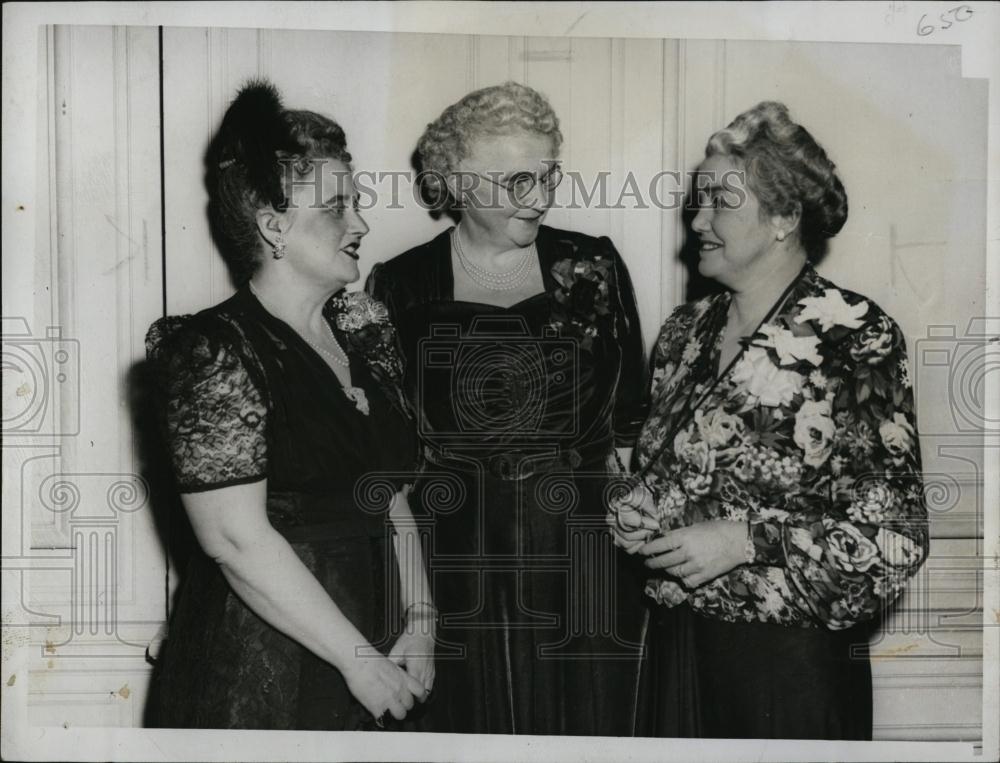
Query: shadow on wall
697	285
169	519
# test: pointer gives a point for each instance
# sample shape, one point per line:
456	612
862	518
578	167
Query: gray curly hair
491	111
787	170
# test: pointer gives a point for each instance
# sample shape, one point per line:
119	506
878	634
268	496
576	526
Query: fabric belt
508	465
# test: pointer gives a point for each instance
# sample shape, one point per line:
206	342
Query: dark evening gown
245	398
539	628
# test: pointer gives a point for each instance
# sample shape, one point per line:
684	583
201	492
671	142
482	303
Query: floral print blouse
810	436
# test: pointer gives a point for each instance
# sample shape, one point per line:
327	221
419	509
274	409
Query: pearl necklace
341	360
489	279
355	394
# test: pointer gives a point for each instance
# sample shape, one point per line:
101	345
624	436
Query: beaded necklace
489	279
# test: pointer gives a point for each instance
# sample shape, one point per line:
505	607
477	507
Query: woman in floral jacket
782	508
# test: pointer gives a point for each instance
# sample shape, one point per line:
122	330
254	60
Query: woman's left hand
699	553
414	651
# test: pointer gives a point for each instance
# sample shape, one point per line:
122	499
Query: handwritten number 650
959	13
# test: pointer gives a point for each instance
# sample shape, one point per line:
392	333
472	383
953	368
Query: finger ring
380	721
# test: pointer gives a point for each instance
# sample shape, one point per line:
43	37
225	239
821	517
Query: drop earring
279	247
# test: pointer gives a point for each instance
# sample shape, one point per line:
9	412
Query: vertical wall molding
107	272
616	134
673	282
47	121
517	61
492	65
568	132
719	117
94	567
217	64
700	83
472	63
264	44
65	275
123	242
50	530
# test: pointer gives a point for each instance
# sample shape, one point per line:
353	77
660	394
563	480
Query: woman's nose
359	225
539	197
703	220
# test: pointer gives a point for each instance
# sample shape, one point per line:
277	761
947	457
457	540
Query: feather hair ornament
252	134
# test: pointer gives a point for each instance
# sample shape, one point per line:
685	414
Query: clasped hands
393	683
693	555
414	651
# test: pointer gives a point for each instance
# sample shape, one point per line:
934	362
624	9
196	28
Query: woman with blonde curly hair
525	364
780	508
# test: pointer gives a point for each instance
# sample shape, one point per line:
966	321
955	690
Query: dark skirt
223	667
540	614
669	703
713	679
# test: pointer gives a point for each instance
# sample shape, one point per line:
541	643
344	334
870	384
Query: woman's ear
270	225
785	225
451	185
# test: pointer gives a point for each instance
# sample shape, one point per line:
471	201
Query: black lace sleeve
213	414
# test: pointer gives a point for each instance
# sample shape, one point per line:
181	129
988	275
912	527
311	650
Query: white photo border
877	22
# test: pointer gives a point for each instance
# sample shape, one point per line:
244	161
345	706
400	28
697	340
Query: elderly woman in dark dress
279	404
782	508
525	363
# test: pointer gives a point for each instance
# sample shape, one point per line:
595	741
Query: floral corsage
368	332
581	297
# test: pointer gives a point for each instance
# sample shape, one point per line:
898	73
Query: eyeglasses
520	184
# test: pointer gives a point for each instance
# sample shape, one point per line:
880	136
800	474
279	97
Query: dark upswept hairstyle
494	111
787	170
245	167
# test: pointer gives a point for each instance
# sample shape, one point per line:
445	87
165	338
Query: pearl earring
279	247
781	235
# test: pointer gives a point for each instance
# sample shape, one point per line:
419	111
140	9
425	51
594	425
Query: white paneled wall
912	158
94	565
608	94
